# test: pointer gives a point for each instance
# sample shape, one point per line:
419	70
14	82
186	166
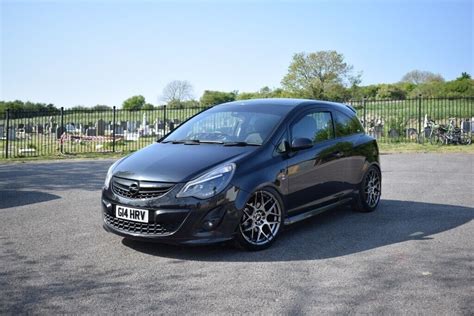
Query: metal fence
25	134
408	120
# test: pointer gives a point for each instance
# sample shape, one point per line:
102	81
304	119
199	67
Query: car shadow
332	234
13	198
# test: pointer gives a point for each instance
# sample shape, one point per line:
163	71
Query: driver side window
316	126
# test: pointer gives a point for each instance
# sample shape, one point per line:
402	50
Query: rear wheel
261	221
370	191
436	139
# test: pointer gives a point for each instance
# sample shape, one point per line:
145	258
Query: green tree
463	86
433	89
18	106
79	108
211	98
101	107
390	91
134	103
336	92
464	75
148	106
309	75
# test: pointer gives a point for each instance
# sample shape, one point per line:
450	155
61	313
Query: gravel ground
413	255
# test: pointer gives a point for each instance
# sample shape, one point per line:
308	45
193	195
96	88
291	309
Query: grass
393	148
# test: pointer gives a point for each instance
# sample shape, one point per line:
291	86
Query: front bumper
175	221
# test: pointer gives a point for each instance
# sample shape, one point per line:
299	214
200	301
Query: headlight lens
108	177
209	184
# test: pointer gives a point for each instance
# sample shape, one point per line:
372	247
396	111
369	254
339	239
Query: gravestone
2	129
171	125
123	125
11	133
161	125
100	127
28	128
59	131
393	133
131	126
131	136
70	127
411	133
466	126
119	130
21	125
39	129
91	131
378	131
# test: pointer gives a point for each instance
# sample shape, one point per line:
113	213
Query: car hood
176	162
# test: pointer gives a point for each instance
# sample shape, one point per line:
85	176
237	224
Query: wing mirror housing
301	143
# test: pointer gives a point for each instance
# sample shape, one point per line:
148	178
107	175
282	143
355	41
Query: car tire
370	191
261	222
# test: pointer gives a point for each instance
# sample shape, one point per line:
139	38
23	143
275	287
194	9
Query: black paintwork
309	180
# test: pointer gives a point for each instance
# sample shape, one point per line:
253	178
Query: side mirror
301	143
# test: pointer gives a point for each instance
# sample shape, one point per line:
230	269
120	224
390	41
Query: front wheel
262	220
370	190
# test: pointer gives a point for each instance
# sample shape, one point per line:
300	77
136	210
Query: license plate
131	214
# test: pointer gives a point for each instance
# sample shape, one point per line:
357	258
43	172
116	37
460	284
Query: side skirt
316	211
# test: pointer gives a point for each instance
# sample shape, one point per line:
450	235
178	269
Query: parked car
242	171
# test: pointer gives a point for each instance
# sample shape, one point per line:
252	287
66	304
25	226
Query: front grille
135	227
133	189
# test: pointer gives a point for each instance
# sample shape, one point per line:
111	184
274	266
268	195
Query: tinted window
316	126
346	125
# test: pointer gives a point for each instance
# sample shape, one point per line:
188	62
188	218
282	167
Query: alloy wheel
261	219
372	188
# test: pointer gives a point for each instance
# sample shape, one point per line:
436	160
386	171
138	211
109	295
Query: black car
243	170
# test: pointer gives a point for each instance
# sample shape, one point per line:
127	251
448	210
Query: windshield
226	126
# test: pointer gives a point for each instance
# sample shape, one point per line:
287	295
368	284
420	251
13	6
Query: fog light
108	206
213	219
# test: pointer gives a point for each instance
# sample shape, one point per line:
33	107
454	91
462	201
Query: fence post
164	120
365	114
113	129
8	133
419	119
61	140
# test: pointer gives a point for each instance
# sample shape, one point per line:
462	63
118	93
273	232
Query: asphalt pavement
414	255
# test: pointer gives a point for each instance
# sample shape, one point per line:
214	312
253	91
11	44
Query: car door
313	173
348	131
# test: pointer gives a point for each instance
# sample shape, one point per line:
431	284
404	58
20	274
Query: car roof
283	105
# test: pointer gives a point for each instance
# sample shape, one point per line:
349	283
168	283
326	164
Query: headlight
108	177
209	184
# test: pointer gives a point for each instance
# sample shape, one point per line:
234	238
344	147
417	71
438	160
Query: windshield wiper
193	141
242	144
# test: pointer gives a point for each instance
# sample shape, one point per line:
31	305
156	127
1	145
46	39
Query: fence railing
407	120
24	134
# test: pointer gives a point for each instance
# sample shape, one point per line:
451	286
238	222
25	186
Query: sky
101	52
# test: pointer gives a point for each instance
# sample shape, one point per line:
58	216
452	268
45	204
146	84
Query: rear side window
316	126
347	125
